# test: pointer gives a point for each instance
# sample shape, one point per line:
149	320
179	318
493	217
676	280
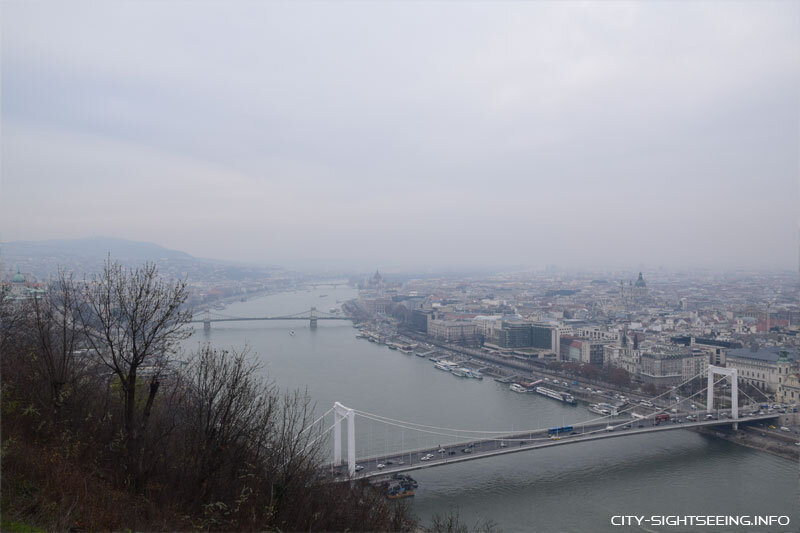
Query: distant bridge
332	284
312	315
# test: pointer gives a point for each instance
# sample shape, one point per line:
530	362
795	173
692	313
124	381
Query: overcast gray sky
408	134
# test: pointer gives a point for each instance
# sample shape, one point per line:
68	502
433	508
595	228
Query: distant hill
94	247
86	256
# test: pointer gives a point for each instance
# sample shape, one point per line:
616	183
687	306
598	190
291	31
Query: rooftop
770	354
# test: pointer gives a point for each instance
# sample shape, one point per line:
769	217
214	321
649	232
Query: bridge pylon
733	374
340	412
207	322
313	320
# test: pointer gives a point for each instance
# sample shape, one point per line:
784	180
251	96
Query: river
568	488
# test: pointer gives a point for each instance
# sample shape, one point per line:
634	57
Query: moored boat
603	409
397	494
445	365
555	395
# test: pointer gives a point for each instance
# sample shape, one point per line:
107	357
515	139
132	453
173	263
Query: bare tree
230	412
8	317
246	448
133	320
56	325
452	523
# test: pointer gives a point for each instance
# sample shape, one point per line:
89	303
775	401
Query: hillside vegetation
103	428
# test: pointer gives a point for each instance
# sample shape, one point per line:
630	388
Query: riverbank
532	370
756	439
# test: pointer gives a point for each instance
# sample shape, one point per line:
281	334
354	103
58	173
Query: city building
420	319
666	365
515	334
789	389
459	331
764	368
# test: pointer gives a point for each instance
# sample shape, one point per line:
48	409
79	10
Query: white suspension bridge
481	444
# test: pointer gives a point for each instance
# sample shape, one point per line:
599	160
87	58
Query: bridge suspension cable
723	378
387	419
759	391
665	393
649	416
326	413
751	398
315	439
430	432
485	435
415	425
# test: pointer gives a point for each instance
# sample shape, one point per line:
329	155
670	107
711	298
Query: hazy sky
408	134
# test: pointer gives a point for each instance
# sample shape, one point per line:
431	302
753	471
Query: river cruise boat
555	395
447	366
516	387
603	409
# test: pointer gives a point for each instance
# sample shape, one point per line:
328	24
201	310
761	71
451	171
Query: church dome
640	282
18	278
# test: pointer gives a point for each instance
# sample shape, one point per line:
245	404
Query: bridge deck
246	319
532	440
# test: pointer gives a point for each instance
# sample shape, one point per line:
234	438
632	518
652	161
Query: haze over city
408	135
430	266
